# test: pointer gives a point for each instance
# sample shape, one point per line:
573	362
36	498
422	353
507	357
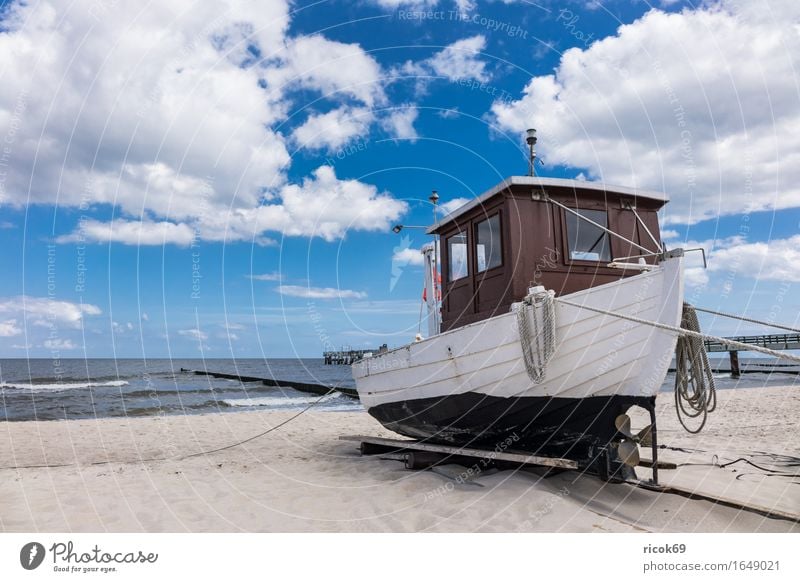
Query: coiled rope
536	322
695	392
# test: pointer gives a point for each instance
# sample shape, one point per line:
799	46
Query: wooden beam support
735	372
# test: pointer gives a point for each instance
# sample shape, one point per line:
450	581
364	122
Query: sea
46	389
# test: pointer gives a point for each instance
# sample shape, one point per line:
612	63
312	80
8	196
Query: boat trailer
422	455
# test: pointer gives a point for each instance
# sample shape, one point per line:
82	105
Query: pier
347	356
780	341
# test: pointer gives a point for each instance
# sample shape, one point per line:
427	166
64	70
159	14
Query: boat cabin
525	232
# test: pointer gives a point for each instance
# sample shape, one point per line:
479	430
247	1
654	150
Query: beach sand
129	475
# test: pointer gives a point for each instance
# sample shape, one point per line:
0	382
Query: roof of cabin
544	182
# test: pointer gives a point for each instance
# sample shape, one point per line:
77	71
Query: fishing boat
522	347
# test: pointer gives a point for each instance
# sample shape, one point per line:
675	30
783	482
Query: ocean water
45	389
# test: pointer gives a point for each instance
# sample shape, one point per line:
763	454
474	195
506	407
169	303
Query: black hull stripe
568	427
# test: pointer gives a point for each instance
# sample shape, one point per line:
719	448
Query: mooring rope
748	319
695	392
538	339
685	332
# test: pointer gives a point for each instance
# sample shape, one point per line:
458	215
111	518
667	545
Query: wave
281	402
61	386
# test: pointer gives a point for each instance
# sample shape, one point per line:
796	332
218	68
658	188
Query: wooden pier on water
346	356
780	341
320	389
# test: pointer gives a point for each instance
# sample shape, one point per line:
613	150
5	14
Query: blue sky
222	181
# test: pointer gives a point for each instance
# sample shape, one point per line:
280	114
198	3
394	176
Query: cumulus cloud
9	328
776	260
702	104
274	276
326	206
195	334
408	256
452	205
169	113
59	344
418	4
458	61
333	129
330	67
43	311
131	232
400	123
319	292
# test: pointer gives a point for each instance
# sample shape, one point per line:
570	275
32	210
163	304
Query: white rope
695	392
743	318
688	333
538	339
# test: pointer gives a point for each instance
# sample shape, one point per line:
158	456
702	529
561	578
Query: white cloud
327	207
417	4
776	260
458	61
669	234
452	205
448	113
733	257
43	311
195	334
169	113
694	272
121	328
9	328
400	123
333	129
319	292
702	104
146	107
145	317
408	256
59	344
461	60
330	67
274	276
132	232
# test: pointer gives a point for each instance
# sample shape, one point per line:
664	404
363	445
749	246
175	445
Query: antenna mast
530	139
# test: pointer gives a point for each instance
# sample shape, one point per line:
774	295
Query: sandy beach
132	475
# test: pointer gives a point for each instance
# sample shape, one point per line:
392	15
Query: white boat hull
470	385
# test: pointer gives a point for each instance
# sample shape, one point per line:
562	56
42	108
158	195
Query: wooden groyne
320	389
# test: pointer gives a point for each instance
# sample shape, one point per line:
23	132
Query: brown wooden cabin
510	238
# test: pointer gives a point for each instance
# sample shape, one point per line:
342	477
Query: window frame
568	260
475	225
466	275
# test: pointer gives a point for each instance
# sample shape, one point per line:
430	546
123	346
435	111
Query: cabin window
457	254
586	241
488	250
